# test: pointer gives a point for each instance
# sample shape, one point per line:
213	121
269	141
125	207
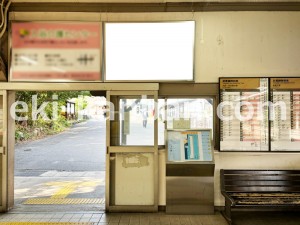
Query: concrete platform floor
111	219
97	218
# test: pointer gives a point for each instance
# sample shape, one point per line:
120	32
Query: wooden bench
260	189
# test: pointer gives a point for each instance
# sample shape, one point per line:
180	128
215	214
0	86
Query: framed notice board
189	145
285	115
243	114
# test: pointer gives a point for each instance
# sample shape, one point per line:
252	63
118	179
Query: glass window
161	121
137	118
137	122
149	51
197	112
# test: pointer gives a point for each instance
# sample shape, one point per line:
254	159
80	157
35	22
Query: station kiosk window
189	172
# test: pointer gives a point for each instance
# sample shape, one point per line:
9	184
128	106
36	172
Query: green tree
24	128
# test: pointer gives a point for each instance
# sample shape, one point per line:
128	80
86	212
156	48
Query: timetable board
285	116
243	114
189	145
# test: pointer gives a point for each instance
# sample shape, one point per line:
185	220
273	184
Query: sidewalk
57	191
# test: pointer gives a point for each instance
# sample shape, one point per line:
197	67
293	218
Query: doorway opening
60	151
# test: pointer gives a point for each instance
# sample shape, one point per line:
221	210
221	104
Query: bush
33	129
40	128
22	133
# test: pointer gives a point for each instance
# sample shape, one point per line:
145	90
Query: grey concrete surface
42	167
81	148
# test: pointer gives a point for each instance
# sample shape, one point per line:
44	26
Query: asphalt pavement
69	166
81	148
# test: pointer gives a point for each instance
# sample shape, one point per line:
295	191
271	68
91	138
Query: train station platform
111	219
101	218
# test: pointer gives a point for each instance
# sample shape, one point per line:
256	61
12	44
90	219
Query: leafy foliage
30	129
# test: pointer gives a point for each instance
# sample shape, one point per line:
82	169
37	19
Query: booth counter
189	172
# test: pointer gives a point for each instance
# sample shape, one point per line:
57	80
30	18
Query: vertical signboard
56	51
243	114
285	116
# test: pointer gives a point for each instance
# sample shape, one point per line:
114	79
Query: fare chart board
285	116
189	145
243	114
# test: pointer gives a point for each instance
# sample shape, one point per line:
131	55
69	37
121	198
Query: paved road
81	148
72	163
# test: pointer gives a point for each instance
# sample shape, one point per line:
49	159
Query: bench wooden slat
261	172
265	177
262	189
262	182
265	195
271	202
266	198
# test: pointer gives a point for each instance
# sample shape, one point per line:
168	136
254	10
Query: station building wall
227	44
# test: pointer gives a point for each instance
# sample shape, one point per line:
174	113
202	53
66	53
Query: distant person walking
145	118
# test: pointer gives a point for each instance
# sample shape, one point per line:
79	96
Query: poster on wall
285	114
190	145
243	114
55	51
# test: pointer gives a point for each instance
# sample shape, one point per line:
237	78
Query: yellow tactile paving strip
68	187
44	223
63	201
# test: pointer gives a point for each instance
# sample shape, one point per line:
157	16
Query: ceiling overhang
152	5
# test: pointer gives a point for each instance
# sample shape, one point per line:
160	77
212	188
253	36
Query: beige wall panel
54	16
10	151
24	86
247	44
134	183
227	43
105	17
237	43
162	177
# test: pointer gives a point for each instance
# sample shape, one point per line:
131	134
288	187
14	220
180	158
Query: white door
132	152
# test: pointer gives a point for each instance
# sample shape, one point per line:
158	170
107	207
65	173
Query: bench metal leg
227	212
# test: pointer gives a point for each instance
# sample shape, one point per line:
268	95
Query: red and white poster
57	51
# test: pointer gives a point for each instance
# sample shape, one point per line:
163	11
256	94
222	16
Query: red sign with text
56	51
